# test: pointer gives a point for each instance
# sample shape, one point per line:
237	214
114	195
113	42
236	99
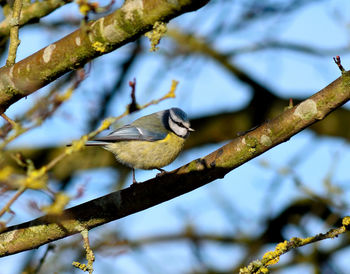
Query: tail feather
93	143
96	143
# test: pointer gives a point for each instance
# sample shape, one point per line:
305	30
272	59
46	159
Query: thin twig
338	62
14	41
52	99
90	257
272	257
12	200
42	260
133	105
9	120
79	144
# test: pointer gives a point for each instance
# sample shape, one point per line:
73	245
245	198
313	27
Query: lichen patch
10	236
306	110
265	140
11	72
100	47
77	41
130	6
48	52
111	34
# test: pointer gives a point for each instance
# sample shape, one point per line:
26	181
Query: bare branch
14	28
187	178
272	257
338	63
30	13
92	40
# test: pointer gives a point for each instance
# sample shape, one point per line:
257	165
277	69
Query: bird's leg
162	172
133	177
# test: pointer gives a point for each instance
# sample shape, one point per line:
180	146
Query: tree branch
263	96
92	40
182	180
30	13
14	28
209	129
264	101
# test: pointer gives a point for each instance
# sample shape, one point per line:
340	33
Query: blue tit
150	142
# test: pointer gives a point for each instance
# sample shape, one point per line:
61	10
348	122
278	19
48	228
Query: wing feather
130	132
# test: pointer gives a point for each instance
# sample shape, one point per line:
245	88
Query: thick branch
209	129
263	104
187	178
95	39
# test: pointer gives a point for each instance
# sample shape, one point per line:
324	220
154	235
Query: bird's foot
162	172
134	184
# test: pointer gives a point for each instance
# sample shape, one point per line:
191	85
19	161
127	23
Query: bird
150	142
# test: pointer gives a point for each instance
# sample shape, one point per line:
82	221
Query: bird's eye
179	124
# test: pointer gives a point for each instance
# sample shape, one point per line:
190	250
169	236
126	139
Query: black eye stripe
178	123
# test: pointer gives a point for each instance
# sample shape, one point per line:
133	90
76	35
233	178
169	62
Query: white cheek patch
180	131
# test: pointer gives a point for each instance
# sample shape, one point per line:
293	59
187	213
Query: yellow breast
148	155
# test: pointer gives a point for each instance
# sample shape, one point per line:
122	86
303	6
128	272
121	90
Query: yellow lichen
6	172
80	266
158	31
77	145
100	47
254	267
65	96
273	257
171	93
346	221
106	123
264	270
61	200
89	254
84	9
36	179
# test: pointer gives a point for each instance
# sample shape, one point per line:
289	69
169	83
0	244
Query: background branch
92	40
30	14
193	175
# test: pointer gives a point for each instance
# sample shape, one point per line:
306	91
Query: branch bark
209	129
14	28
90	41
193	175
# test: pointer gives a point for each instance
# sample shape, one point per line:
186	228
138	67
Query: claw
162	172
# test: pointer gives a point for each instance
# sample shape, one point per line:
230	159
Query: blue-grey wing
130	132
